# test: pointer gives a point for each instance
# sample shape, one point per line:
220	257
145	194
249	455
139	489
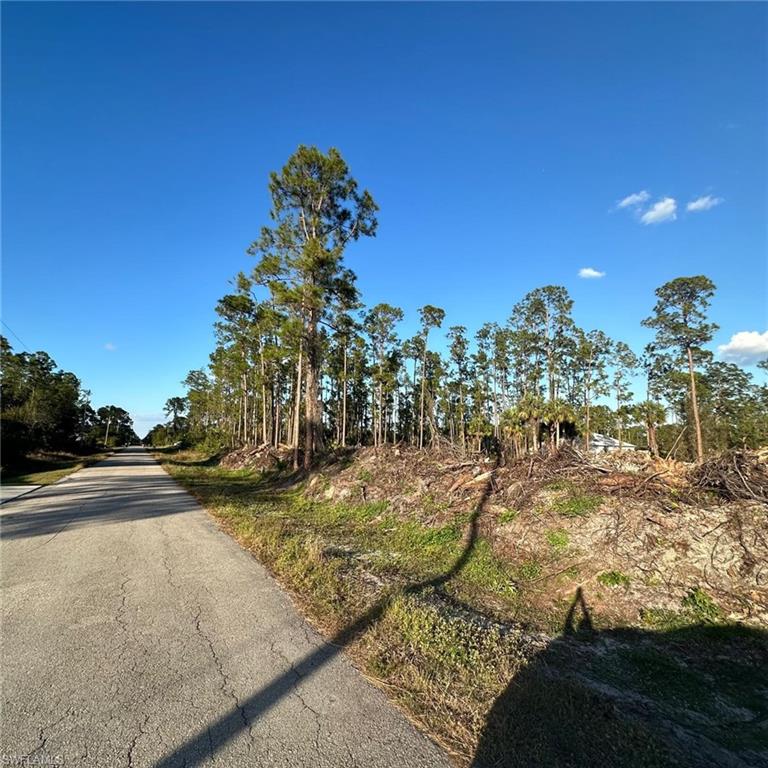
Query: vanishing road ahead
135	633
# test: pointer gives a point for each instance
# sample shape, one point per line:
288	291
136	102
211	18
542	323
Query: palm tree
555	413
513	428
530	409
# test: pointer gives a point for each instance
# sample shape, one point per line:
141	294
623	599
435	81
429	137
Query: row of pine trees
300	362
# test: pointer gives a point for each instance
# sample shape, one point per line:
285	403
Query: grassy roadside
47	468
432	615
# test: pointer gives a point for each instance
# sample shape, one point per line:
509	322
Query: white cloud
590	273
745	347
663	210
110	347
703	203
636	198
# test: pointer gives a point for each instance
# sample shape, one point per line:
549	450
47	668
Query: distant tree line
44	408
299	361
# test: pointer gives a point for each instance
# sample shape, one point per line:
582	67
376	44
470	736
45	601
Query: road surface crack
42	738
121	609
297	692
120	619
132	745
164	559
225	687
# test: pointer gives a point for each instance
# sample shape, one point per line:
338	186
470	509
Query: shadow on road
100	494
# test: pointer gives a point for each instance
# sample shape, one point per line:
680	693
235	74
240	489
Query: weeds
577	504
507	516
613	579
529	570
558	541
701	605
697	607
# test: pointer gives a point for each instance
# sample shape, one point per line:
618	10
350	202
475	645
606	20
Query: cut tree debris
664	526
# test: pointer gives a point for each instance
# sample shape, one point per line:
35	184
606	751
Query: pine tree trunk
586	436
275	437
297	407
423	385
652	443
413	404
374	420
344	400
695	408
264	435
311	426
382	427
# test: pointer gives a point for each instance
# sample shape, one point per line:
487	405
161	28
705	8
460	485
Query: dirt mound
431	486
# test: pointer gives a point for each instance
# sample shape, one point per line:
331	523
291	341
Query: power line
16	336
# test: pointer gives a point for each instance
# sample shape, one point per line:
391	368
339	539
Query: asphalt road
135	633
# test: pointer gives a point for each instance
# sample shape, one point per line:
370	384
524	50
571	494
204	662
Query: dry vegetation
637	533
567	610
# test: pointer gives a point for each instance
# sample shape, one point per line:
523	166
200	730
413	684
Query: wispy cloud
663	210
635	199
745	347
110	347
589	273
703	203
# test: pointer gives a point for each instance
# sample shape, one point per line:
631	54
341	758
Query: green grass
701	605
507	516
258	507
558	540
613	579
47	468
577	504
696	608
529	570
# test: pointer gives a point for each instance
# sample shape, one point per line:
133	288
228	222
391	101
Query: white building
604	444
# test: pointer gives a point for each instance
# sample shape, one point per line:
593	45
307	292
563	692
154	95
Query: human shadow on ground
624	698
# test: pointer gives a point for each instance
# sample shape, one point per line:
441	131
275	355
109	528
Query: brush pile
623	475
259	457
734	475
432	485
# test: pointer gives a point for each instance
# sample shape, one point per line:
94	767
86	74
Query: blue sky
498	140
